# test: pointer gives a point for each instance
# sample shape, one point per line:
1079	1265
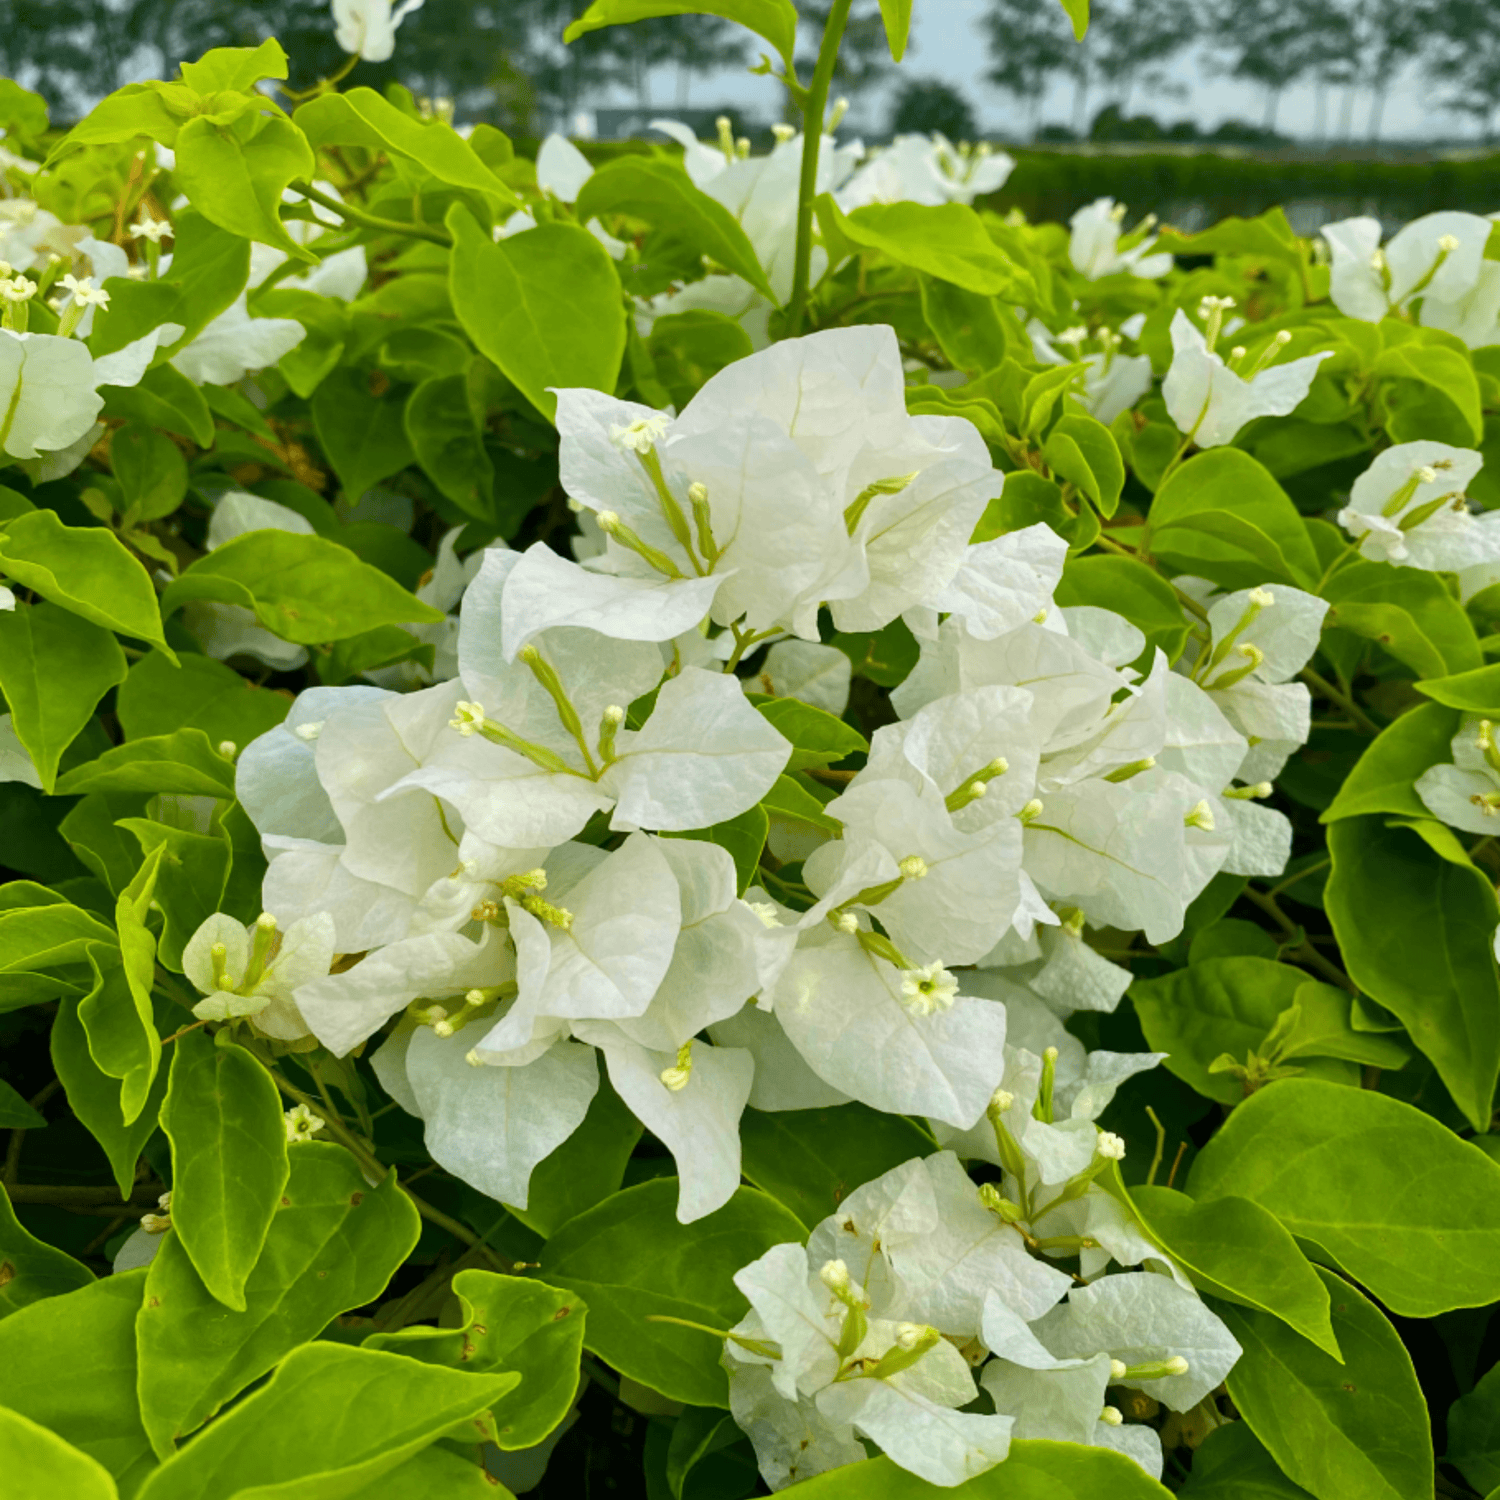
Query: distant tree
1259	41
924	105
1029	45
1465	55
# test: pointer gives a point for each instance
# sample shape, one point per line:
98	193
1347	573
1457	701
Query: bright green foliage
631	1260
1342	1430
1237	1250
54	669
1335	1165
36	1270
222	1115
509	1325
1033	1471
333	1243
40	1466
348	1416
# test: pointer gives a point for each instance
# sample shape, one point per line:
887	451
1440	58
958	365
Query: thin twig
1337	696
352	215
1176	1162
1304	952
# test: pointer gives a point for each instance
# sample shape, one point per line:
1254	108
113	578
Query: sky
947	43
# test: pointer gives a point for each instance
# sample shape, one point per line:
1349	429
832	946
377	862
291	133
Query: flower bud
834	1274
1110	1416
1110	1146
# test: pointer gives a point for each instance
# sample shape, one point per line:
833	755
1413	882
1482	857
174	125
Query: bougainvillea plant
722	823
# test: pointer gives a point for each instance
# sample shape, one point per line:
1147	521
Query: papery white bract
1437	256
1409	508
1210	402
368	27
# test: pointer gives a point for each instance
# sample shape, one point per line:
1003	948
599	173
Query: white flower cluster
502	855
875	1328
1433	268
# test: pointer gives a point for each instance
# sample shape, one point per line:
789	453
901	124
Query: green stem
813	109
1304	953
1335	565
352	215
1341	698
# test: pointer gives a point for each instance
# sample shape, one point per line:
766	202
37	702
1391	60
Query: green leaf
1269	236
190	880
85	569
1231	1464
1084	451
229	1160
333	1244
1352	1431
235	69
1325	1028
16	1113
384	646
585	1169
1032	1471
68	1364
1407	611
448	444
812	1159
119	1021
507	1323
661	193
46	934
1235	1249
1131	589
689	348
362	117
818	738
791	801
152	109
775	20
630	1259
150	470
387	1409
54	669
1416	933
209	269
1475	692
235	174
45	1467
743	836
157	698
183	763
1221	1005
93	834
544	307
362	434
1223	516
303	588
164	398
1382	778
1448	374
1078	14
897	17
30	1269
94	1097
967	325
1474	1433
946	240
1395	1199
436	1473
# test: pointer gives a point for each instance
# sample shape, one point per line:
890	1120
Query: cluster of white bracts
439	856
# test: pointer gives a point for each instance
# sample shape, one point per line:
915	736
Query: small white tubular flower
152	230
928	990
17	289
82	291
1110	1146
367	28
639	436
1210	402
301	1124
1408	508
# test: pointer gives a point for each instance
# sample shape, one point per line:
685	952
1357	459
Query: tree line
504	60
